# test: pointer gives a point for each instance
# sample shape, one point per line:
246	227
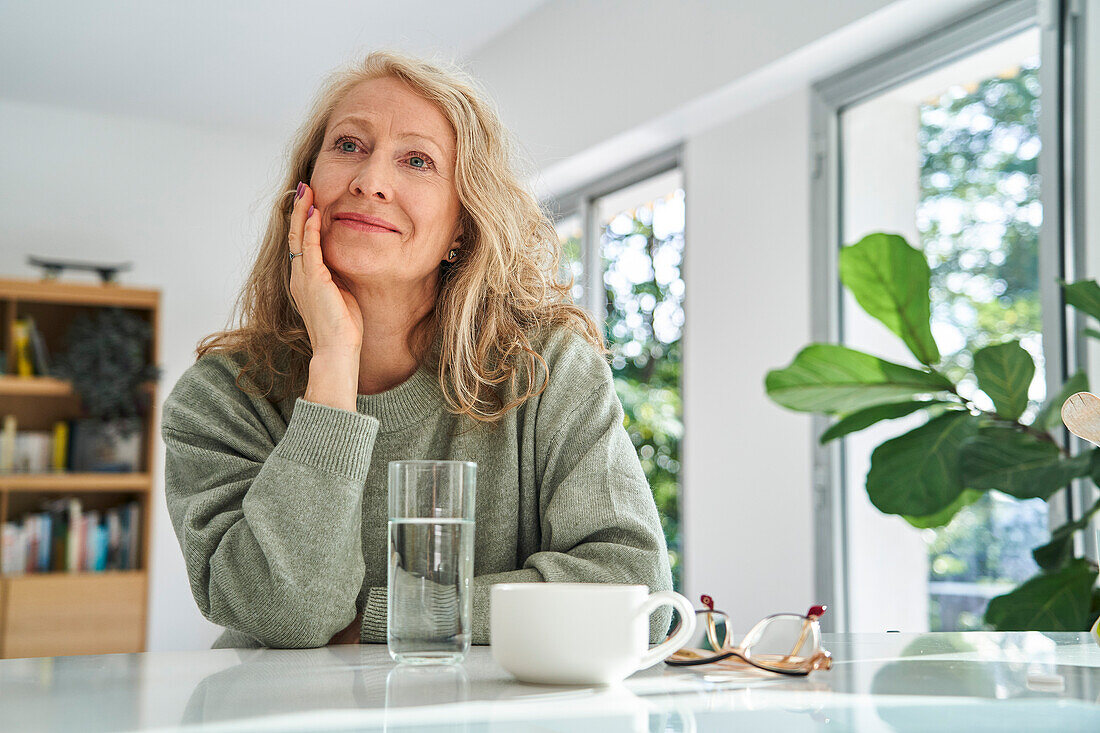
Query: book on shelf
59	535
21	344
59	459
73	540
31	355
33	451
7	444
65	538
39	353
114	539
42	544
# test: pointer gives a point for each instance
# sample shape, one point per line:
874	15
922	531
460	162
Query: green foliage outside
963	450
980	213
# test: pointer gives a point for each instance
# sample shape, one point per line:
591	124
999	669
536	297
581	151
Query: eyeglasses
786	643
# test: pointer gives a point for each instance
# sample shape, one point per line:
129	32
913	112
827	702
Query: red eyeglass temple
813	614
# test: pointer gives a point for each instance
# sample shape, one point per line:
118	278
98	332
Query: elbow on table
289	619
286	631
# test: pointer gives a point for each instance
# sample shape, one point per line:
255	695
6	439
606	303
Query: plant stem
1030	430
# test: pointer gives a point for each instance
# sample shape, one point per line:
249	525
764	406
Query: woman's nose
374	177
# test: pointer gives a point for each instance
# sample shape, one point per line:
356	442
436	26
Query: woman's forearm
333	379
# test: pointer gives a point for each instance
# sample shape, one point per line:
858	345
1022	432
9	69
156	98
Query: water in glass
431	565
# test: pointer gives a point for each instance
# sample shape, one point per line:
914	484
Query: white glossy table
906	682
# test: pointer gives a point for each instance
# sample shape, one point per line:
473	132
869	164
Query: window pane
570	234
641	248
979	218
948	161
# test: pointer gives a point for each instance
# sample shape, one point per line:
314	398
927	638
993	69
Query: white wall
747	520
176	202
573	73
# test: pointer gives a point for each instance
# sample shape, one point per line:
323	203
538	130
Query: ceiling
242	66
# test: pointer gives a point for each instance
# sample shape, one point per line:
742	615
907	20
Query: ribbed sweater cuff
375	613
334	440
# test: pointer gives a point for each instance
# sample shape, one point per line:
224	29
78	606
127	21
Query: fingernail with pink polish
301	188
310	212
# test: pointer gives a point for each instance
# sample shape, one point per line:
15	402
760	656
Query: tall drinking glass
431	560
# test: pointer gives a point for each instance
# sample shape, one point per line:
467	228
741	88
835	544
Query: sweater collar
406	404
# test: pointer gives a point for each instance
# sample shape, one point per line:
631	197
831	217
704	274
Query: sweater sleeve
599	522
271	532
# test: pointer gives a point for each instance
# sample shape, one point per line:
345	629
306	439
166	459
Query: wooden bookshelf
76	482
65	613
34	387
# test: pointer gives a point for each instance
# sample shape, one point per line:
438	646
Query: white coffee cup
580	633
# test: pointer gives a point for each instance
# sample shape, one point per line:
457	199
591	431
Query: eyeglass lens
782	638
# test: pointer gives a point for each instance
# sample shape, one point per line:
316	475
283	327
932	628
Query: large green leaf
1055	553
1050	416
1084	295
890	280
838	380
1060	548
1018	463
1057	601
917	474
1004	373
944	516
865	418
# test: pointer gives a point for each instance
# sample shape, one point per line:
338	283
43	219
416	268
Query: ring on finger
294	254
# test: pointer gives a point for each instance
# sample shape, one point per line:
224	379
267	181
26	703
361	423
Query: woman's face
390	154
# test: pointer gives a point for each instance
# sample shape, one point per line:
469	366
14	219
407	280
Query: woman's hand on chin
332	316
331	313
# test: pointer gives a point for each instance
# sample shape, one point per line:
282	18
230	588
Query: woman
404	304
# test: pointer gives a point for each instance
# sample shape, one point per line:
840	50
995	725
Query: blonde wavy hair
492	303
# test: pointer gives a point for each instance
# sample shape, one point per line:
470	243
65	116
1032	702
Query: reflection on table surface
919	682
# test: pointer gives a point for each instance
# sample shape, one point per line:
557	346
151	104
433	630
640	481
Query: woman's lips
363	227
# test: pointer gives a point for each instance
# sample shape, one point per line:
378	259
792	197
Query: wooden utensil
1081	414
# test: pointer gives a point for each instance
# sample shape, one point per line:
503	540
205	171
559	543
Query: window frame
580	201
1061	243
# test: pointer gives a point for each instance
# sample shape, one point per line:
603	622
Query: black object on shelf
53	268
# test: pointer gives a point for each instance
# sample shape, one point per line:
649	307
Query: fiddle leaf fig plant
961	451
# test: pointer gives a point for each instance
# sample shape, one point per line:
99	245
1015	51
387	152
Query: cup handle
687	625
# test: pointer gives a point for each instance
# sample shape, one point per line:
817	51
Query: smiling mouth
364	227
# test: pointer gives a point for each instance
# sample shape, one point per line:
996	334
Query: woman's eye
416	160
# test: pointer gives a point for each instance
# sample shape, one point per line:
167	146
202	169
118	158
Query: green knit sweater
280	509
